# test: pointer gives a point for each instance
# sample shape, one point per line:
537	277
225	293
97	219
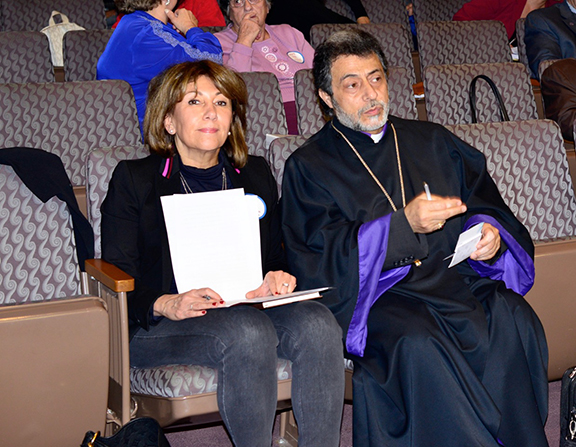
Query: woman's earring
229	133
167	2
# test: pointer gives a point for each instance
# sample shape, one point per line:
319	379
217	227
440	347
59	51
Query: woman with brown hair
194	125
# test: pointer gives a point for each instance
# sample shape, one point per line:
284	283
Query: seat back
390	11
520	33
265	114
446	92
311	119
81	50
39	260
436	10
33	15
473	42
100	165
527	160
340	7
394	38
280	149
69	119
25	57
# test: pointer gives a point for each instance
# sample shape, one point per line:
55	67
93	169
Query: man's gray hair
348	42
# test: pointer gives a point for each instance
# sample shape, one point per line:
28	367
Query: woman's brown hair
168	89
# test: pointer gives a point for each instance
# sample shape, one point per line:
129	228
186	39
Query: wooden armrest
109	275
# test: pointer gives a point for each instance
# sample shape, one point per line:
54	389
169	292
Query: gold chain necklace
370	170
188	190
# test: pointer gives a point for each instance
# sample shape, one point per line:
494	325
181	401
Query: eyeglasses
240	3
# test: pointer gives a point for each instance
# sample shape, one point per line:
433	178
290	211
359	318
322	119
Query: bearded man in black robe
442	356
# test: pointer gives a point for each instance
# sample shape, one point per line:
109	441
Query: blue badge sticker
259	204
296	56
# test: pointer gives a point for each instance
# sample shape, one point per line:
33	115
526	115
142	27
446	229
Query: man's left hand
488	245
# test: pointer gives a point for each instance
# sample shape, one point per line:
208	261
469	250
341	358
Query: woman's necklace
188	190
372	174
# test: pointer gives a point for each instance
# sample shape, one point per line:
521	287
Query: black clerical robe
443	357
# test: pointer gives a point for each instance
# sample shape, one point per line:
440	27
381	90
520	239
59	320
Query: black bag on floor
568	409
141	432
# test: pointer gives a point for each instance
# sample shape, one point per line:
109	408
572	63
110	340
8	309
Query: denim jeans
244	343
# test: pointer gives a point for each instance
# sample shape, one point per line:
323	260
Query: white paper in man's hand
466	244
214	240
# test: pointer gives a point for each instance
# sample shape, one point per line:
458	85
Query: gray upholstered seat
436	10
446	92
527	160
310	118
394	38
81	50
473	42
265	114
390	11
25	57
340	7
54	369
69	119
33	15
280	150
520	33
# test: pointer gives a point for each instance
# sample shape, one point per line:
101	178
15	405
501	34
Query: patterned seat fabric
185	380
69	119
446	92
81	50
310	118
544	65
520	33
100	165
528	162
340	7
389	11
33	15
393	37
280	150
25	57
265	114
39	260
436	10
474	42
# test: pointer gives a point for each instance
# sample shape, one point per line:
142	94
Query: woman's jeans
244	343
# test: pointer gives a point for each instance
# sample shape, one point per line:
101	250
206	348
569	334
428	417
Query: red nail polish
214	304
203	312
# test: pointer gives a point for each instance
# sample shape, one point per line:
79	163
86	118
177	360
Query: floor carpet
216	436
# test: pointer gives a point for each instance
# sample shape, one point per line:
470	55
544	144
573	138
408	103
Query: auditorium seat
446	92
528	162
265	112
33	15
54	351
25	57
473	42
69	119
436	10
81	50
390	11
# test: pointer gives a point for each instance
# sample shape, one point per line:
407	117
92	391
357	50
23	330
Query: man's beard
354	121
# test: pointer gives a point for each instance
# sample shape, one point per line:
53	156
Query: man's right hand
426	216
